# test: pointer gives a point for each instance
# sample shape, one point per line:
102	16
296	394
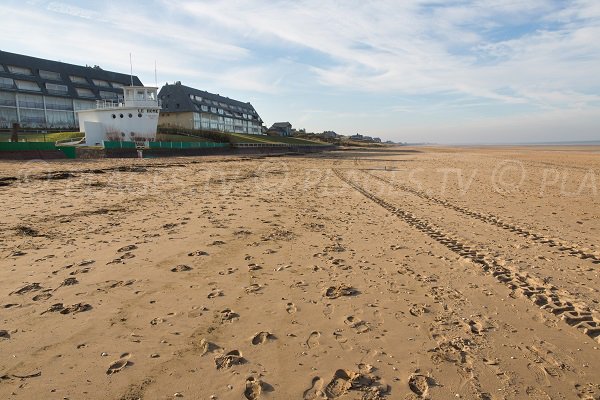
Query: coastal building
189	108
45	94
280	129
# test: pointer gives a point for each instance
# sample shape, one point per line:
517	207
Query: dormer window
55	76
19	70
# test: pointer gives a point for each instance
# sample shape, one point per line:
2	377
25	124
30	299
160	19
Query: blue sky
455	71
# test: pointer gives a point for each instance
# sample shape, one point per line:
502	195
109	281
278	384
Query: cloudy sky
444	71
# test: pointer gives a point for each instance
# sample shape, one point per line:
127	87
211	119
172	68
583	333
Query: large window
78	79
19	70
84	92
54	88
7	99
55	76
29	86
101	83
116	85
58	103
7	117
32	117
60	119
31	101
83	104
7	83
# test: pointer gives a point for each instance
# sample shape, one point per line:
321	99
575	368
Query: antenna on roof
155	76
130	69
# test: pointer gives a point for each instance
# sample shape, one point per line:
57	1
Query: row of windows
55	76
130	115
218	104
30	86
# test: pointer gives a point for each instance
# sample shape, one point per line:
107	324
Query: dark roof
176	98
65	70
281	125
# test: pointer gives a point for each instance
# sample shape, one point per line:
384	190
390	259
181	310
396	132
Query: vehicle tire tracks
547	297
563	246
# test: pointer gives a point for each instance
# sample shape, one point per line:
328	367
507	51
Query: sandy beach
399	273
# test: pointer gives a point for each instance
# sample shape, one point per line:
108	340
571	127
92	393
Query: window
116	85
19	70
78	79
198	98
55	76
99	82
204	108
58	103
83	104
84	92
27	85
7	83
108	95
139	95
31	101
213	109
8	99
220	111
53	87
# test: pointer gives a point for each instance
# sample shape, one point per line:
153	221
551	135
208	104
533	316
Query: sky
436	71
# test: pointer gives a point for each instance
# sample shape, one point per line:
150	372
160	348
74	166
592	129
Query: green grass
246	138
39	137
166	137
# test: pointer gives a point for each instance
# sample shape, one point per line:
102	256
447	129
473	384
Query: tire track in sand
547	297
563	246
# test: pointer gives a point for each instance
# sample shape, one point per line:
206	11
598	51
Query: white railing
108	104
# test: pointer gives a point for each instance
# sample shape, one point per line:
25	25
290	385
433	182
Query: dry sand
409	273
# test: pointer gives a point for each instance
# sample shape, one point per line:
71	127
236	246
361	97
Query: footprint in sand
215	293
181	268
253	388
120	364
41	296
419	384
197	253
333	292
358	325
342	340
291	308
234	357
416	310
339	385
206	346
261	338
474	327
314	392
125	249
313	339
228	316
328	309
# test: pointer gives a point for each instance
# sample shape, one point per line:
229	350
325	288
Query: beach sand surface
395	273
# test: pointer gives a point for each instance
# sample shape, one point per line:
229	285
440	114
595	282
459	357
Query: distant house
358	136
377	140
329	135
280	129
189	108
